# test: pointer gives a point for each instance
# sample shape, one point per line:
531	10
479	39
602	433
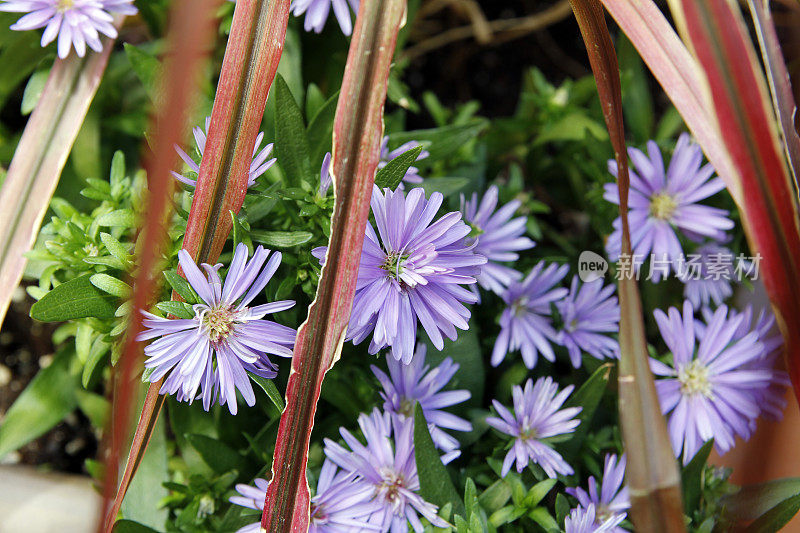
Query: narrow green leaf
147	68
115	248
120	218
181	286
95	407
752	501
447	185
588	397
434	481
281	239
129	526
218	455
77	298
179	309
395	170
111	285
777	517
33	91
96	354
45	402
441	142
320	130
692	478
291	143
268	386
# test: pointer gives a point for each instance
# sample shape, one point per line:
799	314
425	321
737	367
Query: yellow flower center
217	323
406	407
392	483
694	379
65	5
662	206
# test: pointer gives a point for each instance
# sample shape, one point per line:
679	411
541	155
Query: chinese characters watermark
690	267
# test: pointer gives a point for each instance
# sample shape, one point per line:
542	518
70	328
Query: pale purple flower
340	504
589	313
258	165
526	323
537	416
584	520
414	271
412	383
612	501
412	174
498	237
225	339
663	202
325	177
76	23
706	275
317	13
715	383
388	467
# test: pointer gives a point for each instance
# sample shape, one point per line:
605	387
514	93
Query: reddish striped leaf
651	472
358	129
747	125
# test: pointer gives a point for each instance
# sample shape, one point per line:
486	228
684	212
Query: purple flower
661	202
224	331
340	503
325	177
76	23
588	312
317	13
414	271
714	386
526	324
707	275
258	165
387	466
411	384
583	520
612	502
537	417
412	174
498	238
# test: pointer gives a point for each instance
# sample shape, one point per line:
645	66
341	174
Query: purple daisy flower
317	13
325	177
584	520
76	23
387	466
713	388
414	271
224	331
661	202
612	501
498	237
587	313
526	324
340	503
537	416
258	165
707	275
412	383
412	174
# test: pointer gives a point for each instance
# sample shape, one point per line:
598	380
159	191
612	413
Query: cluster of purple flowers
75	23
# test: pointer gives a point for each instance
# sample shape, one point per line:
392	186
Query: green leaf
446	185
466	351
77	298
291	143
115	248
129	526
538	492
777	517
496	496
268	386
542	516
435	484
123	218
395	170
441	142
216	454
692	478
755	500
33	90
573	127
281	239
320	130
179	309
95	407
96	354
147	68
111	285
562	508
45	402
637	102
588	397
181	286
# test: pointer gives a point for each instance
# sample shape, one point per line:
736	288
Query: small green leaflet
281	239
147	69
291	143
77	298
441	142
588	398
692	478
268	386
395	170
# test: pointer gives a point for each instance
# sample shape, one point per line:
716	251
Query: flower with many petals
317	13
258	165
340	503
584	520
76	23
537	416
589	313
225	339
716	381
412	270
412	174
707	275
662	202
498	237
412	384
387	465
612	502
526	324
